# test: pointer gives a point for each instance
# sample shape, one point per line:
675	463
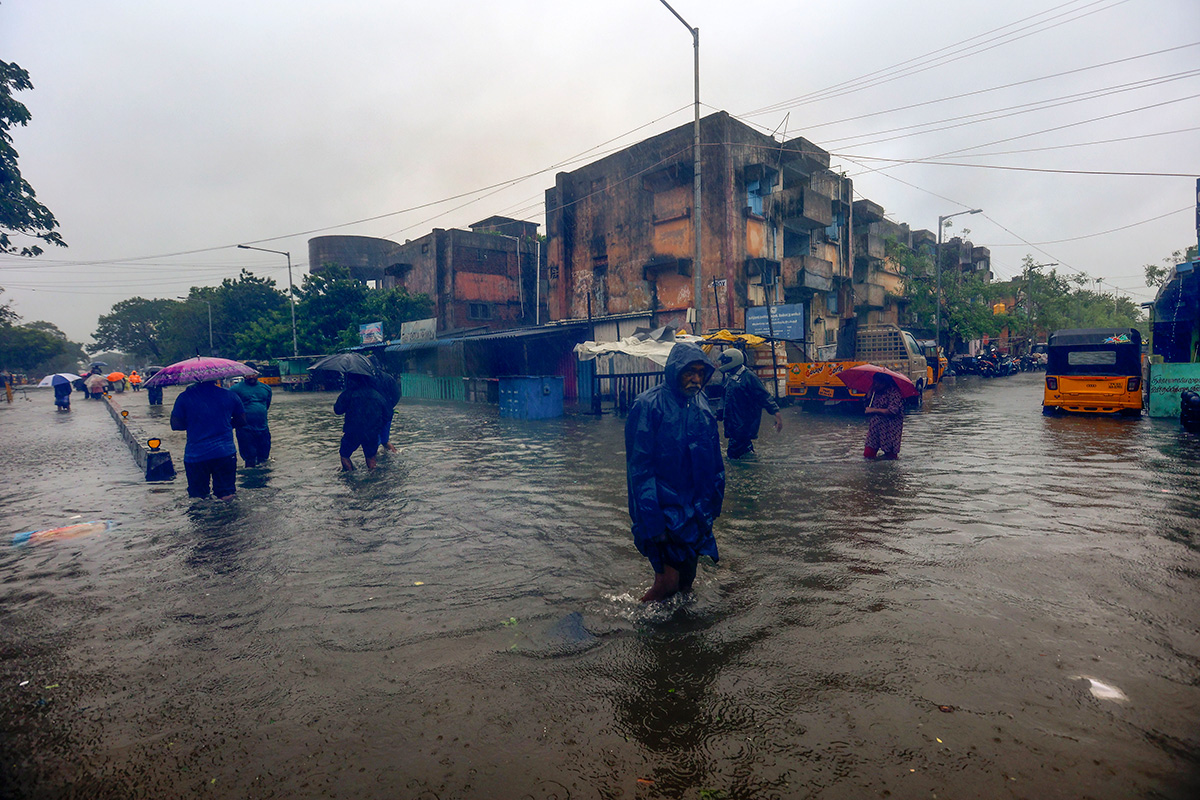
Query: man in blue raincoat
674	471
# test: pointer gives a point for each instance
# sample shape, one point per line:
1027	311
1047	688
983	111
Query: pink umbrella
198	369
859	379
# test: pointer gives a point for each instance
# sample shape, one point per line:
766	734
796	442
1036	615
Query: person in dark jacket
745	400
209	414
365	410
62	395
254	438
389	388
674	472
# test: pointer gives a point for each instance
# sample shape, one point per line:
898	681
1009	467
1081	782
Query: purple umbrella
200	368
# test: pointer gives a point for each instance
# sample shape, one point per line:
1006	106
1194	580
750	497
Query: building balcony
869	295
765	269
808	273
871	246
801	209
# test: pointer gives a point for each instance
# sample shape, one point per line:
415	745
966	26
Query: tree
23	348
1157	276
137	326
20	212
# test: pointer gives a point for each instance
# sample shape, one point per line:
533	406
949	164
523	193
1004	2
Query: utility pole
697	278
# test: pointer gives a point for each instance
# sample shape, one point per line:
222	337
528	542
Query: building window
479	311
754	198
424	248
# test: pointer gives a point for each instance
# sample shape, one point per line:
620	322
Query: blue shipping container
531	397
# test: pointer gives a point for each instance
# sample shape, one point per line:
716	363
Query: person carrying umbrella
62	392
365	413
97	385
209	414
885	407
745	400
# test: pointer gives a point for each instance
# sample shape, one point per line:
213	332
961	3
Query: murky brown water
410	633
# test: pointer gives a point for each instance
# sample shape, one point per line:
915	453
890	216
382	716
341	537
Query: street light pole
291	294
697	278
937	301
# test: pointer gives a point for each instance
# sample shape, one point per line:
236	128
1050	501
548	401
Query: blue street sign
787	322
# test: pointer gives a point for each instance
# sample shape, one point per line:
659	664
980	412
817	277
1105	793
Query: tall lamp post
291	295
937	301
698	281
209	304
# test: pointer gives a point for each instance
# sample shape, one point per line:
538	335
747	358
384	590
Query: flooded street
463	623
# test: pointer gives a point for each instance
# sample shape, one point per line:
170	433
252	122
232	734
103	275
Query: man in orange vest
135	380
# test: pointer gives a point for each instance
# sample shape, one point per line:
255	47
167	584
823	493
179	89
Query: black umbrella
345	363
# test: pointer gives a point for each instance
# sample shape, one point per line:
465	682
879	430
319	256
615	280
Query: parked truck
883	345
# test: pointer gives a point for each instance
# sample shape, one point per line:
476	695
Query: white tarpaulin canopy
655	345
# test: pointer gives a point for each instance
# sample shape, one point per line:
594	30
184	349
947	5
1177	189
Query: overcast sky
170	128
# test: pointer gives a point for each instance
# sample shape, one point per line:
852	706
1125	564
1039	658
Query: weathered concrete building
779	227
486	277
620	230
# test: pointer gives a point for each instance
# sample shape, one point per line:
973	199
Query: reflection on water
415	632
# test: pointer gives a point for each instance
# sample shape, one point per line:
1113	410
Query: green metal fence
426	387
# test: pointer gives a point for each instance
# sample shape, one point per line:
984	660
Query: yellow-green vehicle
883	345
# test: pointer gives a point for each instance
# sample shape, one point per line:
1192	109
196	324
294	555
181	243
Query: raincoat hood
682	354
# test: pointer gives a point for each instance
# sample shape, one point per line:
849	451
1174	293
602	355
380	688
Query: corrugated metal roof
517	333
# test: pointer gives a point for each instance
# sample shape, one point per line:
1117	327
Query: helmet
731	358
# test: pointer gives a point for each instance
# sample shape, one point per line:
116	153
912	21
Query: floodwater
1008	611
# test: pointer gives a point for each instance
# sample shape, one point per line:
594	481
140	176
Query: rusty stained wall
608	220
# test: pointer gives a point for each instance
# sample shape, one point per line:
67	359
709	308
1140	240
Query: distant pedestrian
209	414
885	407
745	400
97	385
62	395
674	472
365	411
389	388
135	381
254	438
154	394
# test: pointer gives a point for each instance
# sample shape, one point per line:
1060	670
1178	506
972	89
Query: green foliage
1157	276
30	349
139	327
251	318
20	212
1045	301
966	298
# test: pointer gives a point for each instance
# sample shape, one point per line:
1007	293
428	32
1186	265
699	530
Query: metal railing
622	389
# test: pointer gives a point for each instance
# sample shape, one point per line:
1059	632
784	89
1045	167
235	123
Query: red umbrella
861	377
200	368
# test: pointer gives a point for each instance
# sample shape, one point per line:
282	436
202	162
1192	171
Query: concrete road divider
155	461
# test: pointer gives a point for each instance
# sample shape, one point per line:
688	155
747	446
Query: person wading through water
674	472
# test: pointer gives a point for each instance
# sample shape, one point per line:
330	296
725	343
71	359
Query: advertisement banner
371	333
787	321
421	330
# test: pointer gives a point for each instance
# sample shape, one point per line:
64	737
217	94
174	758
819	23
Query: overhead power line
957	51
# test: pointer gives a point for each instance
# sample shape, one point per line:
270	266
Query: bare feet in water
666	583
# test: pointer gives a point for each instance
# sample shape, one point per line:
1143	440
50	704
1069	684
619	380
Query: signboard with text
786	321
421	330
